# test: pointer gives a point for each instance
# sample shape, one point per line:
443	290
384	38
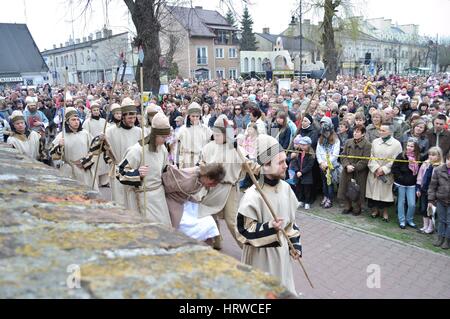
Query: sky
50	23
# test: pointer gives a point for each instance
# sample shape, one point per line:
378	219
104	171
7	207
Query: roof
200	21
81	45
289	43
19	53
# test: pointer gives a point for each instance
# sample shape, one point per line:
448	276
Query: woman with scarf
327	156
405	178
380	179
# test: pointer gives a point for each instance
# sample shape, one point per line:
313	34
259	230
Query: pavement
345	263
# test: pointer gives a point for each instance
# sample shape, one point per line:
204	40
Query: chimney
84	39
98	35
54	46
77	41
266	30
91	37
60	45
66	44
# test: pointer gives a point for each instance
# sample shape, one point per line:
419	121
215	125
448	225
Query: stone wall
52	229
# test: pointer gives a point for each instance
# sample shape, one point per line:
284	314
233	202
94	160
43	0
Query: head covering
305	140
128	106
267	148
309	117
221	123
160	124
16	116
194	108
115	108
152	109
326	120
297	139
179	118
70	112
30	100
77	101
326	128
95	105
161	127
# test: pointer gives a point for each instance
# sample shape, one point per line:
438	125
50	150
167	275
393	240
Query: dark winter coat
402	174
363	148
305	168
439	189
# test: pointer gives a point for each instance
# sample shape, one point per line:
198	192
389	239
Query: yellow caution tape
364	157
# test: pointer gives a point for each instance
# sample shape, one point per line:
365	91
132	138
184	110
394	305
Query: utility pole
301	38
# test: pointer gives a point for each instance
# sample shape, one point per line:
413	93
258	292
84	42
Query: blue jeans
406	194
328	190
443	215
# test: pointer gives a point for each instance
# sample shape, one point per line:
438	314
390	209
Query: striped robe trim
293	233
128	176
260	235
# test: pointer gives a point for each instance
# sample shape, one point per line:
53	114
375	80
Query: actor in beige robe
191	141
95	128
120	139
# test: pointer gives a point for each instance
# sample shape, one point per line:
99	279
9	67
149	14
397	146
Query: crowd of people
370	142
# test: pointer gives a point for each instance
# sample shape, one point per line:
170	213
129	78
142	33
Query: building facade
204	45
388	47
91	59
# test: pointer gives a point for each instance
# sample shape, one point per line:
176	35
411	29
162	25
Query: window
259	65
82	58
246	65
202	55
220	73
219	53
56	62
233	73
253	65
232	53
222	37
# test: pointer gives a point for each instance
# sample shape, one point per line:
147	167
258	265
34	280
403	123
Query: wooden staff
63	123
104	127
141	73
272	212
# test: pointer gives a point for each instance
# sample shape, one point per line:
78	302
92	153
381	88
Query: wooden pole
63	124
272	212
141	74
104	127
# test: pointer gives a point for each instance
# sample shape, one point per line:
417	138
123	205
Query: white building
90	60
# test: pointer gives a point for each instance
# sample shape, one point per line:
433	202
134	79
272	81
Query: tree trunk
330	54
145	18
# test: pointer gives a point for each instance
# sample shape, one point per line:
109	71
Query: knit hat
128	106
194	108
267	148
16	116
70	112
309	117
326	119
297	139
305	140
115	108
30	100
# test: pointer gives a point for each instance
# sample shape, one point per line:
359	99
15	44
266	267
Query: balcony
202	61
